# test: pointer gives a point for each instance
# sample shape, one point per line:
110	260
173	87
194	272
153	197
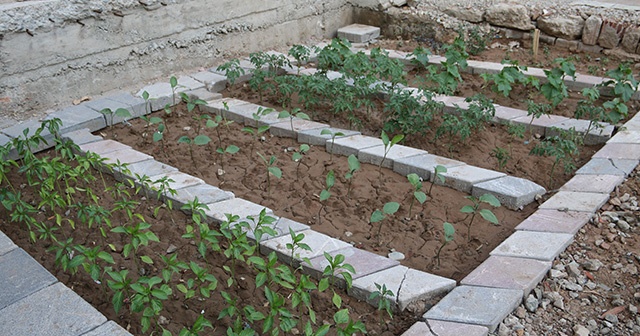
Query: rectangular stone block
626	136
479	67
359	33
464	177
374	155
602	166
110	328
445	328
281	228
539	125
476	305
593	183
619	151
177	180
313	136
103	147
77	117
6	244
508	272
362	261
512	192
576	201
543	246
218	107
16	131
212	81
202	94
408	285
318	242
149	168
351	144
55	305
597	133
81	136
555	221
205	193
21	276
423	165
136	105
161	94
126	156
234	206
283	128
506	114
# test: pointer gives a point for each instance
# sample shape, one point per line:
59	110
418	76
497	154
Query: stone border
551	227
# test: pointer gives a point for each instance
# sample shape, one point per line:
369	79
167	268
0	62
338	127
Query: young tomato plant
563	147
449	233
475	209
232	70
502	155
378	216
418	194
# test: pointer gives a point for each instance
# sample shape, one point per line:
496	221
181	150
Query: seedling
437	175
333	135
295	244
354	165
474	209
326	192
271	169
388	144
232	70
502	155
562	147
295	113
191	102
418	194
301	54
120	112
378	216
449	233
298	155
336	267
173	82
381	295
199	140
257	130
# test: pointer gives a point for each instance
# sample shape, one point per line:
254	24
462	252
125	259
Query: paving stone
212	81
6	244
109	328
539	125
633	124
52	311
126	156
363	262
150	168
243	113
234	206
512	192
374	155
619	151
506	114
423	165
359	33
177	180
543	246
464	177
81	136
103	147
597	135
351	144
318	242
508	272
576	201
601	166
161	94
445	328
476	305
555	221
283	128
593	183
281	227
626	136
205	193
203	94
136	105
16	131
105	103
77	117
218	107
408	286
20	277
479	67
313	136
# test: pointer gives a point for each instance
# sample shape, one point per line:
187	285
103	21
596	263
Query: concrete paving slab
512	192
150	168
363	262
593	183
127	156
109	328
205	193
6	244
506	114
539	125
283	128
464	177
313	136
318	242
77	117
597	135
476	305
602	166
374	155
16	131
626	136
13	153
161	94
21	276
508	272
113	105
408	286
445	328
543	246
203	94
282	226
576	201
212	81
81	136
351	144
555	221
218	107
103	147
619	151
423	165
136	105
177	180
52	311
234	206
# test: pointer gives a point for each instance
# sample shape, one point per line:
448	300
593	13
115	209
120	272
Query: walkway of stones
475	307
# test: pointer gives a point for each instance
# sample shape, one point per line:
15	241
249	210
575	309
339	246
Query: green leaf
324	195
146	260
376	216
390	208
385	138
323	284
124	113
275	171
337	300
184	139
414	179
420	196
467	209
354	164
118	301
303	115
331	179
304	148
397	139
489	216
326	131
201	140
341	316
284	114
449	231
173	81
490	199
232	149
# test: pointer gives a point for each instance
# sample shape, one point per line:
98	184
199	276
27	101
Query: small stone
605	246
396	255
220	171
592	265
633	309
186	128
556	274
615	201
573	269
612	318
521	312
172	248
618	302
531	303
616	266
163	320
623	225
580	330
348	233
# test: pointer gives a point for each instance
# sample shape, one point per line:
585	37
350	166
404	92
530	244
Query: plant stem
469	226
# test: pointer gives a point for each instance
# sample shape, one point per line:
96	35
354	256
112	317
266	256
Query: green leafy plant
388	144
298	155
381	295
554	89
295	113
354	166
417	193
301	54
563	147
337	267
199	140
511	74
271	169
502	155
191	102
120	112
446	76
466	122
232	70
624	87
330	180
333	135
437	176
378	216
475	209
449	235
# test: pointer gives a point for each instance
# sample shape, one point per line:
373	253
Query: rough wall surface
54	51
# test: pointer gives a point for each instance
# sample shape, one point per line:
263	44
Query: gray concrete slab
6	244
464	177
126	156
555	221
318	242
603	166
283	128
212	81
161	94
52	311
576	201
109	328
136	105
506	114
281	227
374	155
150	168
359	33
543	246
629	151
539	125
205	193
593	183
179	180
626	136
81	136
21	276
103	147
105	103
16	131
203	94
445	328
218	107
476	305
77	117
597	135
508	272
314	136
512	192
234	206
351	144
13	154
423	165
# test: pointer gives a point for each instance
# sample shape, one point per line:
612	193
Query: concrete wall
52	52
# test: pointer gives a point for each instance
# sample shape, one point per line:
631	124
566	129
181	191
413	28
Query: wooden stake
536	44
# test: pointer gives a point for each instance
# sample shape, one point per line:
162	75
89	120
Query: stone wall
55	51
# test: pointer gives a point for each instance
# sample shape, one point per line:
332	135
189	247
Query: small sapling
474	209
